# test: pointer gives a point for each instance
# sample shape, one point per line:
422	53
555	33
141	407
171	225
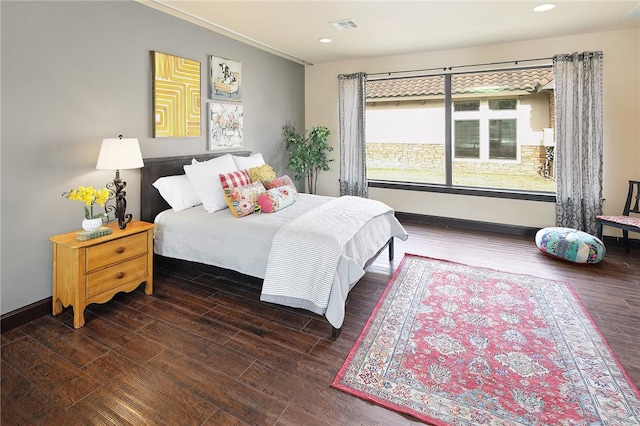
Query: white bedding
220	239
243	245
308	265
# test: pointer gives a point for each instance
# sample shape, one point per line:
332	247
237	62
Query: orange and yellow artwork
176	96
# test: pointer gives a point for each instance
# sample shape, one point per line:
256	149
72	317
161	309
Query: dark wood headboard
151	203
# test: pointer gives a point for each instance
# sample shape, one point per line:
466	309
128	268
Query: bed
308	255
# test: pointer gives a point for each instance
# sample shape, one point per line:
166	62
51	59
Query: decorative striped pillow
234	179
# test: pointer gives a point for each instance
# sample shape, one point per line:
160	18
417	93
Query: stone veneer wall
409	156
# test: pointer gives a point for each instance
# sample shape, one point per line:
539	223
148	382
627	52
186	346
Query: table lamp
120	154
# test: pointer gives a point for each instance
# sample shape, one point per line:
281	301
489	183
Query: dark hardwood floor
202	350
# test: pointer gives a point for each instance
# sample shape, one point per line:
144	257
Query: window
499	104
405	139
497	123
490	135
467	138
466	106
502	140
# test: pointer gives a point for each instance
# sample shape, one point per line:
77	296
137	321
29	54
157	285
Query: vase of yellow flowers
90	197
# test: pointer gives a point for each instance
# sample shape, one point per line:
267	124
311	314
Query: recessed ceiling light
325	40
544	7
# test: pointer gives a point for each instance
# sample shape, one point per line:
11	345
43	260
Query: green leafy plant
307	153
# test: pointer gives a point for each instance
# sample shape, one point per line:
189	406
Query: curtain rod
459	66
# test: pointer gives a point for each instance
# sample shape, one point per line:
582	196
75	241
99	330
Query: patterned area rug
452	344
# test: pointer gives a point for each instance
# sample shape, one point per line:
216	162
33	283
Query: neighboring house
501	122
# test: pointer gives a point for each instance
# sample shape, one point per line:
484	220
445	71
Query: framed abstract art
176	96
225	125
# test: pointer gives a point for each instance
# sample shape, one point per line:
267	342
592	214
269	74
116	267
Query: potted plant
89	196
307	153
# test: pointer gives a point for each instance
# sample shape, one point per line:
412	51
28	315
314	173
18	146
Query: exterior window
485	129
501	104
502	140
466	106
467	138
490	129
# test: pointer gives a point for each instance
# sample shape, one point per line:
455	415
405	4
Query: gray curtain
353	172
578	151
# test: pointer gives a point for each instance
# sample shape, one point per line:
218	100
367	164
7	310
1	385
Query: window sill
547	197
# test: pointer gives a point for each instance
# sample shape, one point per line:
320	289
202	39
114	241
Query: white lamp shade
120	154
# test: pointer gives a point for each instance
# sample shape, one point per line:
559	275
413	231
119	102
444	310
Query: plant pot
91	224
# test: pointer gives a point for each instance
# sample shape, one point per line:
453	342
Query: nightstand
93	271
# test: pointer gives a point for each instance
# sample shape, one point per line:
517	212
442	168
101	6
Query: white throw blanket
307	253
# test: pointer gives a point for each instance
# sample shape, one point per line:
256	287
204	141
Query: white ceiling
292	28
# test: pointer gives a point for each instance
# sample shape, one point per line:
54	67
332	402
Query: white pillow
245	163
205	179
177	191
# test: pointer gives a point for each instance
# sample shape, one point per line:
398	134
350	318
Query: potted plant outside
307	153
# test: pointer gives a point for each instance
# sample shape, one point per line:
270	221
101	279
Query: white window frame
484	114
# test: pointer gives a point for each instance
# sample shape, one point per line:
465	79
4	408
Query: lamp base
117	189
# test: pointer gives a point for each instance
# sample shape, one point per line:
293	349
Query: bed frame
152	203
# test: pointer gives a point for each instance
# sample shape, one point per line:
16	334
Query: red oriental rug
452	344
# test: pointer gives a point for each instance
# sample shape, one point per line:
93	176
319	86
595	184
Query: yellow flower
89	196
103	196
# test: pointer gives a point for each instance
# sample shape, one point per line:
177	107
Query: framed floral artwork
176	96
225	79
225	126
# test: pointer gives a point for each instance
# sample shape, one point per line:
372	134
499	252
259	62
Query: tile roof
530	80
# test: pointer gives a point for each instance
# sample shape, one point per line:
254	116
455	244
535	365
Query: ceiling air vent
344	24
632	14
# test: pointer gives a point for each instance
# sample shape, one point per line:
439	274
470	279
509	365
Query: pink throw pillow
279	181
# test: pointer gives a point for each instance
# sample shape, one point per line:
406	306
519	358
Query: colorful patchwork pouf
570	244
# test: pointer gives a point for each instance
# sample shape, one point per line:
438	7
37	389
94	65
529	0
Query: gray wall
76	72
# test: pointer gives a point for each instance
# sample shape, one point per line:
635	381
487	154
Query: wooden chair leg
625	237
599	230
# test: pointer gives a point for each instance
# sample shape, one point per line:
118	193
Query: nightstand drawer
114	276
116	251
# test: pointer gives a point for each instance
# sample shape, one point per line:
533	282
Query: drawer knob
120	275
120	250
